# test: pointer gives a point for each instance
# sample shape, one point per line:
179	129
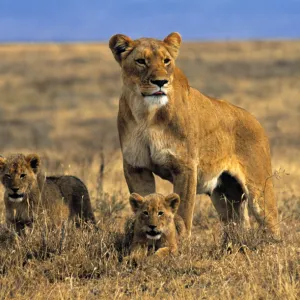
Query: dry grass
61	101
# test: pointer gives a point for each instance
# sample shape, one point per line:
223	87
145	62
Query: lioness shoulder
155	225
28	193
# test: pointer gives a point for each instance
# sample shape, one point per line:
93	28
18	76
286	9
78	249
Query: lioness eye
7	176
141	61
22	175
160	213
145	213
167	60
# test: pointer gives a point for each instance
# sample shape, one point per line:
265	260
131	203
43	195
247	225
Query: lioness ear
120	45
173	41
2	163
173	201
34	162
136	201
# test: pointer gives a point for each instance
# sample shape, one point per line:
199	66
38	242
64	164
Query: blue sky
97	20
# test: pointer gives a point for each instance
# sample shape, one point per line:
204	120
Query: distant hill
89	20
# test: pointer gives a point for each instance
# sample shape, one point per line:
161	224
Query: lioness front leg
15	223
165	251
162	252
10	218
138	251
185	185
139	180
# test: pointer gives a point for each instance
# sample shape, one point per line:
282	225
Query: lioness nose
152	227
15	189
159	83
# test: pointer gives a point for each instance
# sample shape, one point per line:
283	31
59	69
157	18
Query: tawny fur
43	198
200	144
159	211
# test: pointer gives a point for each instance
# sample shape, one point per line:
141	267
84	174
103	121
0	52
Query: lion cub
155	224
29	194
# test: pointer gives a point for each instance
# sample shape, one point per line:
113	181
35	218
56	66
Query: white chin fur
159	100
156	237
16	200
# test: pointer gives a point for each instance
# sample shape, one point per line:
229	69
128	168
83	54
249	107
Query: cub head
147	65
18	174
154	213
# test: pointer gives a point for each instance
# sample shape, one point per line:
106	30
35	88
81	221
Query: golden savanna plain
61	101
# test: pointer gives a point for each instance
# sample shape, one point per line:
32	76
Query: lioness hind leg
262	205
230	201
77	196
81	210
86	212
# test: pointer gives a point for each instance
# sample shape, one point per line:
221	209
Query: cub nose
152	227
15	189
159	83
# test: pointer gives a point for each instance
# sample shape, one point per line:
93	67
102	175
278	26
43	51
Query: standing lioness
30	195
200	144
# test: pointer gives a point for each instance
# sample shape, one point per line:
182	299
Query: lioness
200	144
28	193
155	224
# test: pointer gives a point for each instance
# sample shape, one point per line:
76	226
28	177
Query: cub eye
22	175
160	213
167	61
145	213
141	61
7	176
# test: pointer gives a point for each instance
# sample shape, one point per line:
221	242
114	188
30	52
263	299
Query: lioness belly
162	172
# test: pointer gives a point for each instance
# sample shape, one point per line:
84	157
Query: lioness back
155	224
75	195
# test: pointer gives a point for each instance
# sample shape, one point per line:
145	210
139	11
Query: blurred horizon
92	20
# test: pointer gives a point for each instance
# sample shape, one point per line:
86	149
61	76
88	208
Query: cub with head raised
29	194
155	224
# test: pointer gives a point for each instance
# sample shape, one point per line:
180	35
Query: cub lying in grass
30	195
155	224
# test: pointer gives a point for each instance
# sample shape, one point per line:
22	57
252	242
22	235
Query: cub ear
120	45
136	201
173	41
2	163
173	201
34	162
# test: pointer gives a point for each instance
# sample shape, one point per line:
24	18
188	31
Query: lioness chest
148	147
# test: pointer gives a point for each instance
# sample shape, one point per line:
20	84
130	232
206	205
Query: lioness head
147	65
154	213
18	174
